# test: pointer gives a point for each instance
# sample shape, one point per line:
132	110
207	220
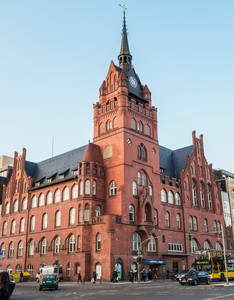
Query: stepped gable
93	153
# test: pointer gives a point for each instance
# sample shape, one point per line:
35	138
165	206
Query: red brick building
95	206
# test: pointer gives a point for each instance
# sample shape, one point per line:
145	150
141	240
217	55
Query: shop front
157	266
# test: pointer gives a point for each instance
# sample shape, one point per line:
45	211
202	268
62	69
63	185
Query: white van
50	270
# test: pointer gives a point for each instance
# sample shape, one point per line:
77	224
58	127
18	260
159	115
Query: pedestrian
114	277
131	276
135	273
94	278
150	274
4	286
144	274
21	277
79	278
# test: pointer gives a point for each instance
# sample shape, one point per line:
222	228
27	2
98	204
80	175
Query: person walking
94	278
150	274
21	279
4	286
79	278
131	276
144	274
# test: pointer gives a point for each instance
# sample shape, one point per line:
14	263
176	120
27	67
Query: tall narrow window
7	208
86	213
31	247
205	225
108	125
66	194
140	126
147	130
43	246
215	226
87	187
24	204
97	211
209	197
101	128
138	178
134	188
20	249
79	214
170	197
136	242
141	152
150	190
131	213
44	221
22	222
190	223
71	243
98	241
206	245
194	192
72	216
74	191
94	187
41	200
144	179
57	196
195	224
178	221
194	245
133	124
155	217
13	223
151	247
163	196
167	219
115	122
11	249
58	218
78	242
57	243
15	207
49	199
81	187
4	228
34	201
202	195
3	249
32	223
112	188
177	199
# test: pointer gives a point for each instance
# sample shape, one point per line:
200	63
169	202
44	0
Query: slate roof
172	161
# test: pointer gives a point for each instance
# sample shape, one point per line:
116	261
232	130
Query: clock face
133	82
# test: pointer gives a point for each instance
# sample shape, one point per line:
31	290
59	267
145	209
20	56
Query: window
115	122
74	191
49	198
202	195
3	249
163	196
18	268
98	241
31	248
131	213
113	188
219	227
215	226
167	219
195	223
20	249
141	152
133	124
72	216
87	187
58	218
170	197
136	242
57	196
66	194
4	228
194	245
205	225
178	221
218	246
147	130
9	269
57	243
108	125
78	242
150	190
144	179
13	223
79	214
138	178
140	126
44	221
32	223
41	200
194	192
71	243
15	207
68	270
148	215
11	249
30	269
206	245
7	208
209	197
190	223
94	187
97	211
43	246
86	213
175	247
22	222
177	199
151	247
155	217
34	202
81	187
24	204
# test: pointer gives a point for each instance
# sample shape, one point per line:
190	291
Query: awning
155	262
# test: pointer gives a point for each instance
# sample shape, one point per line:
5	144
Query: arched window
206	245
112	188
34	201
94	187
97	211
57	243
148	215
218	246
72	216
141	152
147	130
81	187
11	249
215	226
44	221
194	245
163	196
202	195
133	124
150	190
7	208
87	187
57	196
86	213
31	248
43	246
74	191
4	228
101	128
58	218
20	249
79	214
115	83
24	204
144	179
98	241
155	217
18	268
170	197
22	222
195	224
151	247
13	223
177	199
78	242
71	243
49	199
131	211
66	194
140	126
115	122
108	125
194	192
136	242
205	225
32	223
3	249
190	223
41	200
138	178
219	227
178	221
209	197
15	207
167	219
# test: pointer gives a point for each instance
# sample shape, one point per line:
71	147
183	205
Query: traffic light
189	236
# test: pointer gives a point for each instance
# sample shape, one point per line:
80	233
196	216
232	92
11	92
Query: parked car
48	282
11	285
194	278
180	274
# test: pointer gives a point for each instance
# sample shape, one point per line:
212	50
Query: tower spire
125	57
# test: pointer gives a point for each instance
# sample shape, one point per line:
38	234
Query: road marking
219	297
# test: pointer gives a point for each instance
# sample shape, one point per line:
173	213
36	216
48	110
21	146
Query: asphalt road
160	290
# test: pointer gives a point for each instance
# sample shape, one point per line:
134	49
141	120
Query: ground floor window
68	270
119	270
9	269
98	271
18	268
30	269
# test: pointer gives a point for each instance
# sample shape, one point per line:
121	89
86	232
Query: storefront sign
155	262
202	262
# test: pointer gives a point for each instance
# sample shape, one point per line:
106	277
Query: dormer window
63	174
37	183
75	172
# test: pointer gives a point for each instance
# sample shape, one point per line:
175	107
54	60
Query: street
107	291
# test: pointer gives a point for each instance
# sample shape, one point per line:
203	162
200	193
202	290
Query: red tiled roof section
93	153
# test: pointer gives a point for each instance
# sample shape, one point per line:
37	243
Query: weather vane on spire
124	8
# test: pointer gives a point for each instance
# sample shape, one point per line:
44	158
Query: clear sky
54	55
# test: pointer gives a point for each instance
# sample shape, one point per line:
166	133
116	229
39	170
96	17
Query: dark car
48	282
11	285
194	278
180	274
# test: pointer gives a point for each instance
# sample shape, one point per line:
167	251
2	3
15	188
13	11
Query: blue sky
55	54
